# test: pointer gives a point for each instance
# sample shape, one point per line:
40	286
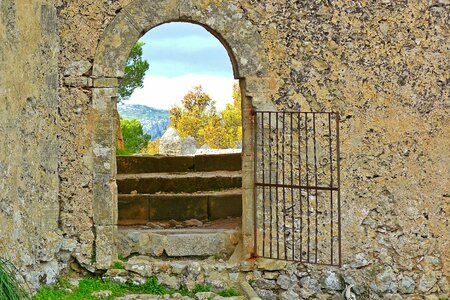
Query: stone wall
29	207
381	64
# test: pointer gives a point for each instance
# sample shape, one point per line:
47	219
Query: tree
232	120
153	147
196	110
134	72
132	79
135	139
198	117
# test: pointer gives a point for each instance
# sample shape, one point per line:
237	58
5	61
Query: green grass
118	265
200	288
121	257
10	286
229	293
89	285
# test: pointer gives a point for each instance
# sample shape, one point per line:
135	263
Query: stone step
198	163
151	183
144	208
177	243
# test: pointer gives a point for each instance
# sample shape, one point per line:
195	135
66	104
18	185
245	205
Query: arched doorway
242	42
189	186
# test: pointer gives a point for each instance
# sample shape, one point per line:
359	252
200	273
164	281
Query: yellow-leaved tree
196	110
198	117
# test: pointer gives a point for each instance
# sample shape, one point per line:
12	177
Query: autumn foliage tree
197	110
198	117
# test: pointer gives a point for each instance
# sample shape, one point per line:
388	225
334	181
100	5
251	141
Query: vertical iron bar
307	186
255	187
300	183
276	189
338	150
292	191
270	181
264	188
331	185
316	183
284	189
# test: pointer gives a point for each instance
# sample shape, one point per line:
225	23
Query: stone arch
244	46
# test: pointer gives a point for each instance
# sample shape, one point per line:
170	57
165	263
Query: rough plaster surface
382	64
29	183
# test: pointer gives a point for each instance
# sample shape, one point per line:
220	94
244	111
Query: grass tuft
118	265
200	288
121	257
229	293
10	286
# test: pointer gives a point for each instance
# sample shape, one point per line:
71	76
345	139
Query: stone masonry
382	64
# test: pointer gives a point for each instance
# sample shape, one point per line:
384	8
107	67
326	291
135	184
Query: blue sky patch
177	49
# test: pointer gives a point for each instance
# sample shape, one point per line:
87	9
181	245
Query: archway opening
187	175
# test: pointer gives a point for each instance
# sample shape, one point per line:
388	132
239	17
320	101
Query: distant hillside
155	121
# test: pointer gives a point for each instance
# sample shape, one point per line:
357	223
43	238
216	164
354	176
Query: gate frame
249	63
335	185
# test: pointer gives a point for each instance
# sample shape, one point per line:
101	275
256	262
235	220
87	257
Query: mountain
154	121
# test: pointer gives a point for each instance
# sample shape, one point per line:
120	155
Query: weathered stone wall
29	185
381	64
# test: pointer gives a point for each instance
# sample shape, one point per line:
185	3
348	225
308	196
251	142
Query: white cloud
163	92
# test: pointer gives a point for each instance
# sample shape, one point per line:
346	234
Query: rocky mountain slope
154	121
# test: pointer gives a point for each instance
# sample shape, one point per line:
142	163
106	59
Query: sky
181	56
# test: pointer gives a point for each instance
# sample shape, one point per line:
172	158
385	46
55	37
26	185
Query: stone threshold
177	242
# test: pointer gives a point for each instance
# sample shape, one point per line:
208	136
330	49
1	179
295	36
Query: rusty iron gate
297	187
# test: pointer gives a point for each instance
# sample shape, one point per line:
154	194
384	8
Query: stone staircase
163	188
158	189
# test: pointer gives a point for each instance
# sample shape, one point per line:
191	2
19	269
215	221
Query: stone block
133	210
270	264
225	162
177	183
152	244
105	200
104	100
105	246
178	207
198	244
78	68
148	14
101	151
106	83
221	206
115	46
154	164
76	81
140	241
140	265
